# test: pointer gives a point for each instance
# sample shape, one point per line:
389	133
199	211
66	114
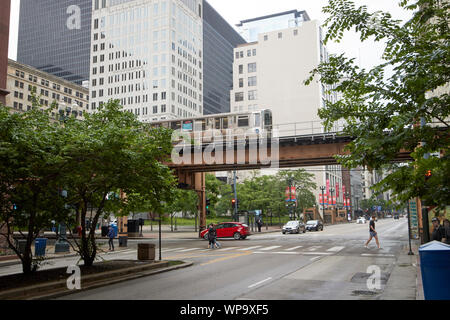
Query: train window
176	125
224	123
243	121
268	118
200	125
217	120
257	120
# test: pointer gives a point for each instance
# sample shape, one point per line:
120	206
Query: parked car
389	216
234	230
361	220
396	216
314	225
294	227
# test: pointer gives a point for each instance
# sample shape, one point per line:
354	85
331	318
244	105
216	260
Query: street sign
414	220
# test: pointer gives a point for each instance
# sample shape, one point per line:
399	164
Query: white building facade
148	55
270	74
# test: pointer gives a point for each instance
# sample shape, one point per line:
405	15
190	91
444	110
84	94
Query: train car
237	125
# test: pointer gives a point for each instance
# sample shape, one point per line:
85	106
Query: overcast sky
236	10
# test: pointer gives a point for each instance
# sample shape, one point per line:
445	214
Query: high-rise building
219	41
149	55
54	37
269	73
4	39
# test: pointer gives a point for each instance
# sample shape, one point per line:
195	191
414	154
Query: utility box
435	268
146	252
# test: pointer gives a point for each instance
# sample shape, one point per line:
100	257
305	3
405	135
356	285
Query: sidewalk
405	281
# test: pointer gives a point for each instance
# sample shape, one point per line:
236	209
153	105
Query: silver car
293	227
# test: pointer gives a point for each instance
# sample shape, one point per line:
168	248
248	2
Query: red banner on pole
337	190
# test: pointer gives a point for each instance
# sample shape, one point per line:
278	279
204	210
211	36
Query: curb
59	288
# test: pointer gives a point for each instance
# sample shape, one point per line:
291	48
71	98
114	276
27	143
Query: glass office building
55	37
219	40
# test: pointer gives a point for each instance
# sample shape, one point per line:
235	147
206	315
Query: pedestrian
373	233
211	236
111	235
438	230
447	231
259	225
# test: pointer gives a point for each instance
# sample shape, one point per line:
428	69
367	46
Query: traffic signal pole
235	197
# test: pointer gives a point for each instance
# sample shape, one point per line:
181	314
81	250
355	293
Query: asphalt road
332	264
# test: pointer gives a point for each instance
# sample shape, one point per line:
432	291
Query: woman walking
373	233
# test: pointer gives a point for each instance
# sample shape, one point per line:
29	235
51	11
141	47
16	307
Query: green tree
31	172
110	154
383	107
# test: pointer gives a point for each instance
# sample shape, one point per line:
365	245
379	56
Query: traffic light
233	203
208	202
428	175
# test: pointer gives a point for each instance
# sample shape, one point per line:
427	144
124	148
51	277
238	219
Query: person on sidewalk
447	231
438	230
111	235
259	225
211	236
373	234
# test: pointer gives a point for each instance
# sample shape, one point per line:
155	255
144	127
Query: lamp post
345	203
323	188
332	202
357	203
61	244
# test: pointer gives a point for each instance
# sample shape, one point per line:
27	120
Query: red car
234	230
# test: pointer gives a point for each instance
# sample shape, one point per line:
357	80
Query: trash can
39	247
105	231
435	268
21	244
123	241
146	251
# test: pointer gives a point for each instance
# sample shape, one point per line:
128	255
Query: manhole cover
364	293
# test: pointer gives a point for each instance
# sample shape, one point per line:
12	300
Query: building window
295	32
254	52
155	109
280	35
252	81
241	83
241	69
252	67
239	96
266	37
252	95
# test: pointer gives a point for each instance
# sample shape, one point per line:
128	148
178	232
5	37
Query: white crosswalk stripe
269	248
187	250
228	249
293	248
169	250
250	248
314	248
335	249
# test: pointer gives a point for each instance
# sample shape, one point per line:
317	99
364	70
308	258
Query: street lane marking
335	249
260	282
291	249
277	252
168	250
223	258
377	255
187	250
314	248
317	253
269	248
314	259
249	248
228	249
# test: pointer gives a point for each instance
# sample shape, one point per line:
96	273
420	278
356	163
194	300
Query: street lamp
345	202
323	201
61	244
332	202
